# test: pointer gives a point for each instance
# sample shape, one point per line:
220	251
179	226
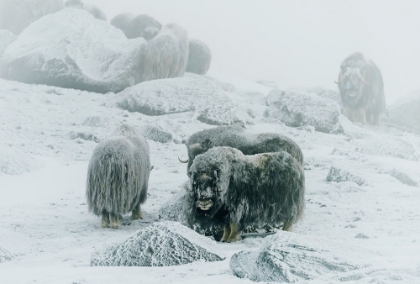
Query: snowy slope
47	135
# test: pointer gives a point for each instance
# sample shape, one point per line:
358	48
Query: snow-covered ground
47	135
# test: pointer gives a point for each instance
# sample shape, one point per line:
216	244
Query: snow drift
405	114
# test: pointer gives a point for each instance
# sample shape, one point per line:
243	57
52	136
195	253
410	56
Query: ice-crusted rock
72	49
300	108
210	103
96	121
405	113
87	136
337	174
403	177
156	133
388	146
6	38
14	162
327	93
16	15
228	87
5	255
160	244
288	257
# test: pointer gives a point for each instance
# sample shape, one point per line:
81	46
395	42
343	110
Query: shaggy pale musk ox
246	190
91	9
118	176
237	137
137	26
361	89
199	57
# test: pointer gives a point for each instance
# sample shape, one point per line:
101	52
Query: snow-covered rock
300	108
5	255
156	133
388	146
288	257
405	113
164	244
210	103
405	177
14	162
6	38
337	174
72	49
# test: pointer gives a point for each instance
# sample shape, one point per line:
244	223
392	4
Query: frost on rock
5	255
288	257
297	109
389	147
404	177
337	174
72	49
13	162
96	121
210	103
6	38
405	113
156	133
164	244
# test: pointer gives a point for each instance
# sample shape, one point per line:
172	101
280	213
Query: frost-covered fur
118	176
91	9
137	26
237	137
245	190
16	15
199	57
361	89
166	55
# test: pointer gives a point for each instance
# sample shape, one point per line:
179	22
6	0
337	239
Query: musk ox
245	190
361	89
118	176
91	9
16	15
237	137
199	57
137	26
166	55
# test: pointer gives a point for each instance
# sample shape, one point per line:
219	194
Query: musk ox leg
115	221
288	226
226	233
350	114
362	115
376	121
136	214
105	219
234	233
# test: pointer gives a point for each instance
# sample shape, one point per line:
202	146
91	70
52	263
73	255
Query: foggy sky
296	43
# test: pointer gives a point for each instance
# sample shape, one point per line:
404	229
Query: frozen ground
47	135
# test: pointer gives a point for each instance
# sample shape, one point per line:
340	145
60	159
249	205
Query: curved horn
184	162
339	80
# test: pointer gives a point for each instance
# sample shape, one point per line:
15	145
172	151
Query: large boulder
405	113
210	103
337	174
6	38
16	15
288	257
164	244
297	109
72	49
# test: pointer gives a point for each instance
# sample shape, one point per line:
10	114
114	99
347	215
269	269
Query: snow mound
297	109
14	162
156	133
288	257
164	244
72	49
6	38
337	174
210	103
5	255
96	121
405	113
389	147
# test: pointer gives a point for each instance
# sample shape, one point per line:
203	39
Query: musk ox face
147	26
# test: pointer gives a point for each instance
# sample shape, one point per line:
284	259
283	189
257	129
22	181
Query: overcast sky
296	43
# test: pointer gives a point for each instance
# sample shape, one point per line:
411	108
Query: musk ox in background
137	26
118	176
237	137
16	15
199	57
166	55
361	89
91	9
245	190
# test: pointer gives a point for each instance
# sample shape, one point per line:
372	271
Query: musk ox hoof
234	239
137	214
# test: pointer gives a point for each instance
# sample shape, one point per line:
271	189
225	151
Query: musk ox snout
204	204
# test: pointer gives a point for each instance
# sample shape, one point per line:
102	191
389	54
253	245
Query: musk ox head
74	4
147	26
352	79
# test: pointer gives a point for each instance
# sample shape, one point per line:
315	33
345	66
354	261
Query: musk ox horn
184	162
339	80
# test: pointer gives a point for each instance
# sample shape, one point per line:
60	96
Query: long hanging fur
237	137
118	173
260	189
199	57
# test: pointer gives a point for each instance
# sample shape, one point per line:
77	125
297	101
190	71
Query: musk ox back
245	190
166	55
361	89
118	176
237	137
199	57
137	26
91	9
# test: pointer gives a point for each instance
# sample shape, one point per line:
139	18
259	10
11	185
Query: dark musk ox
118	176
361	89
246	190
91	9
199	57
166	55
237	137
135	26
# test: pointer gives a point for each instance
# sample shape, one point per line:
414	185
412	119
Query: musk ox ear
206	145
